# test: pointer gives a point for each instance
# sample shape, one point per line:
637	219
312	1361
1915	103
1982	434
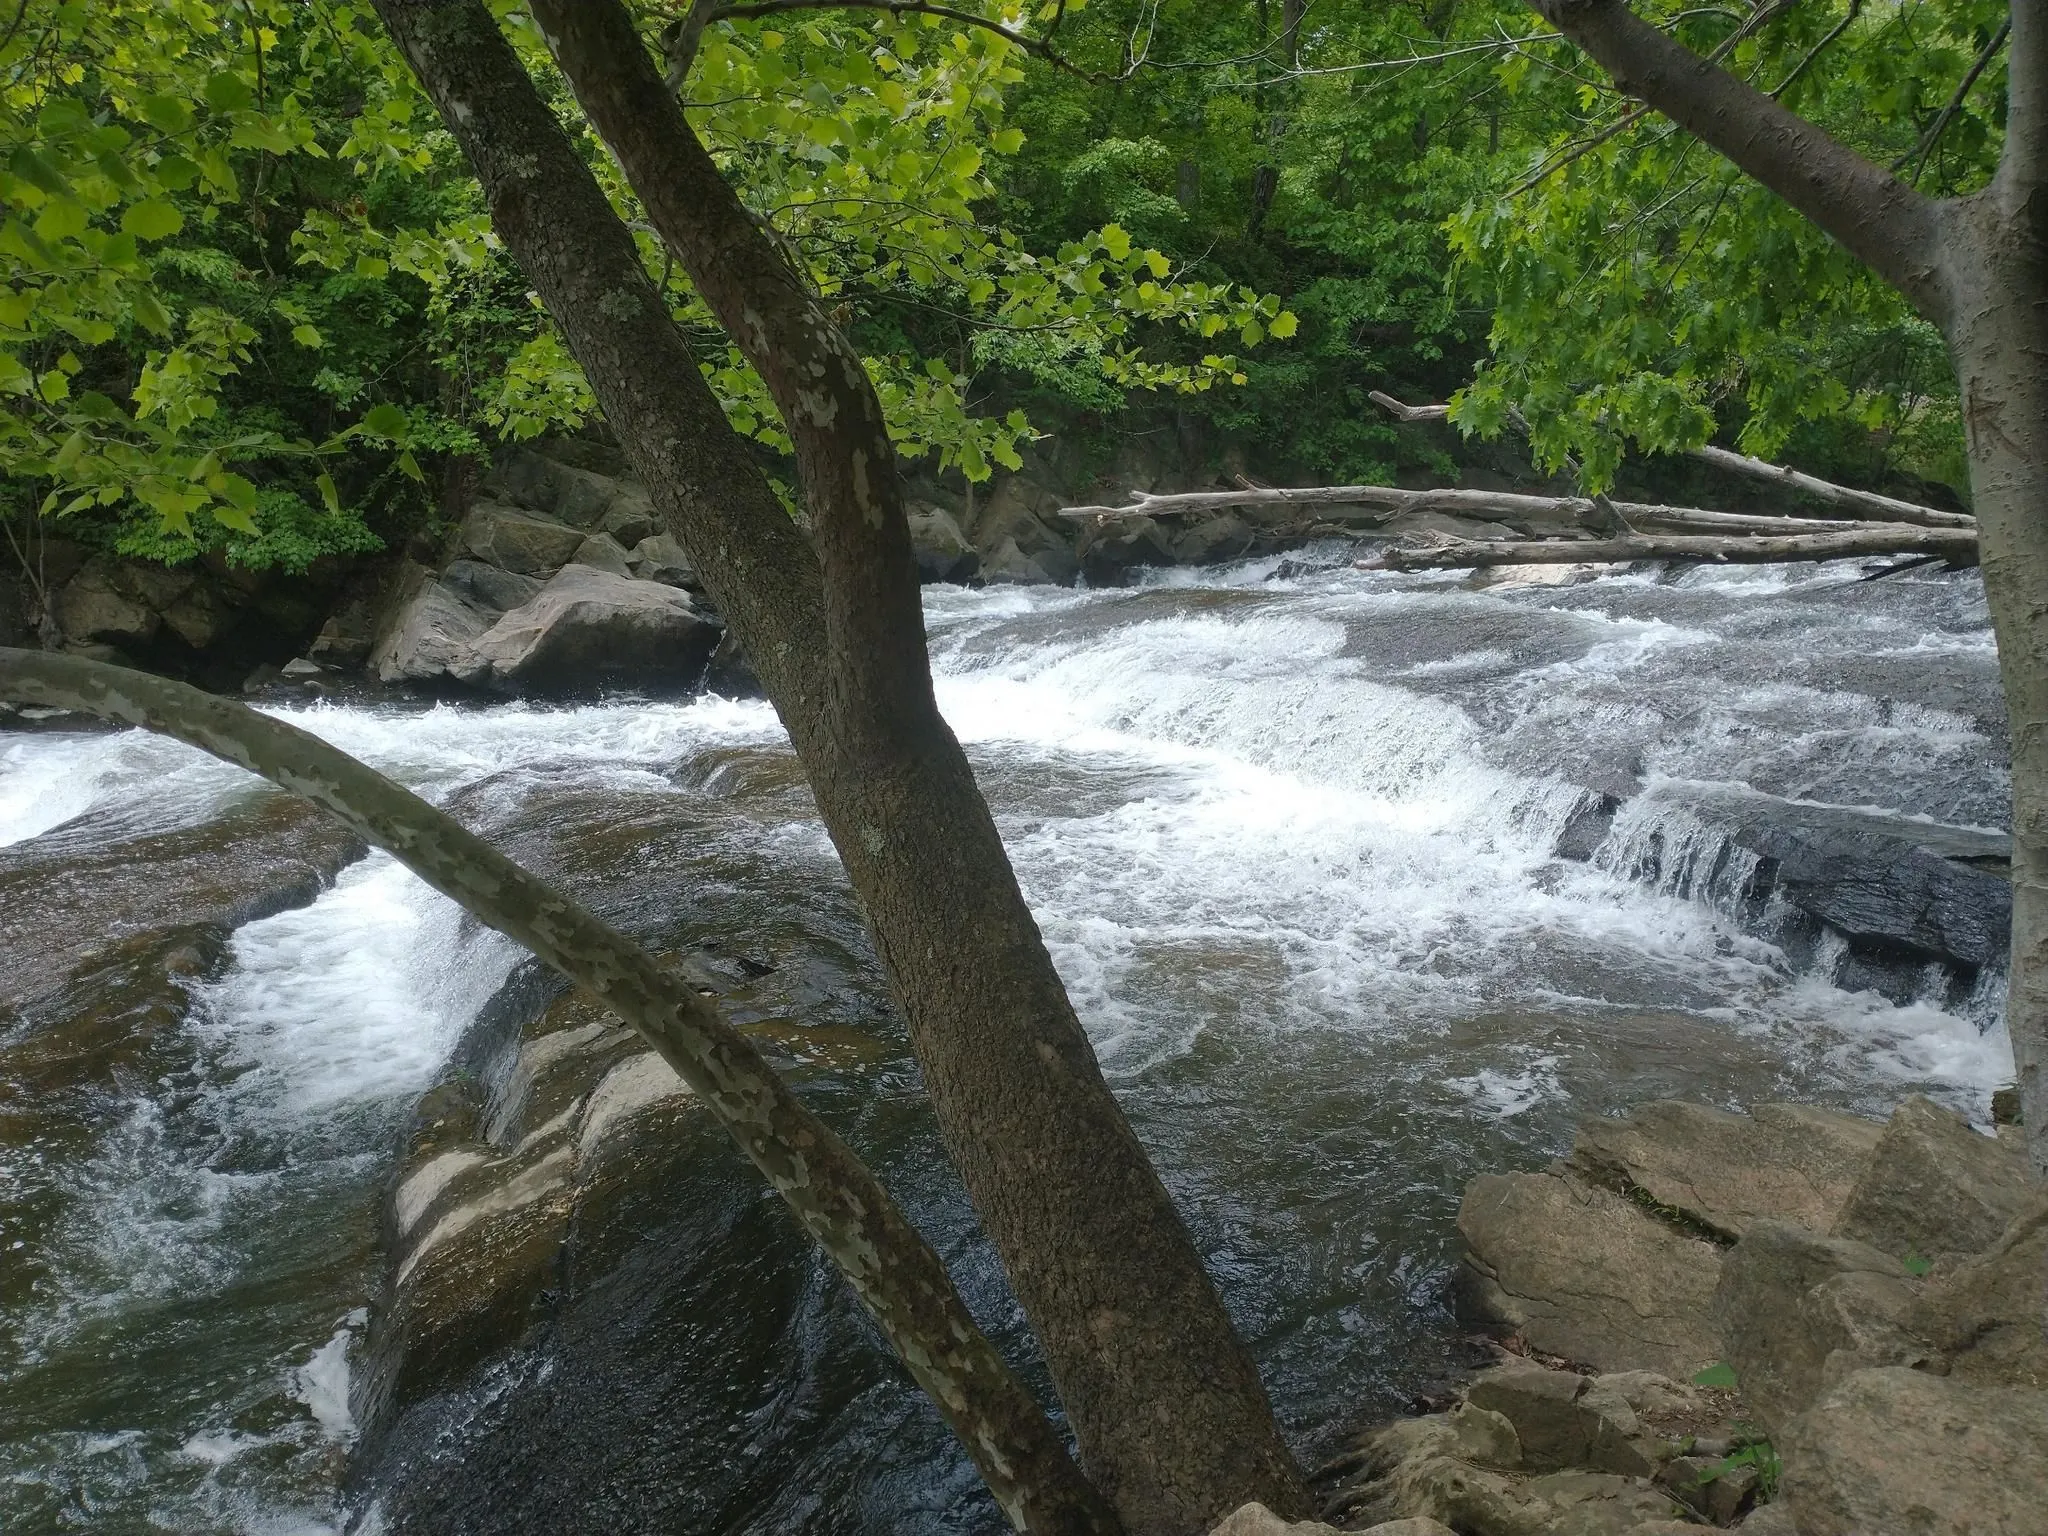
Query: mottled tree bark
1977	268
899	1279
1172	1421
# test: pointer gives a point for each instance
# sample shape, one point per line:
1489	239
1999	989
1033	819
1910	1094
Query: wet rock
588	629
729	674
1111	553
1226	536
91	607
602	552
486	586
300	668
1986	1316
942	550
1797	1312
1584	1273
1008	564
1933	1185
517	541
1784	1162
1587	827
431	634
661	557
1900	1451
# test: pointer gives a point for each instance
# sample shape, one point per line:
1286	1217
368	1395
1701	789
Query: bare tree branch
899	1279
1881	220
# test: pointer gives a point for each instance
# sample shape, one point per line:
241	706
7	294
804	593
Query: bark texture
899	1279
1977	267
1171	1418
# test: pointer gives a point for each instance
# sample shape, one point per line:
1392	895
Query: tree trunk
1167	1407
899	1279
1999	343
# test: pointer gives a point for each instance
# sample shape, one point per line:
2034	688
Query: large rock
1933	1186
1564	1419
518	541
91	607
602	552
488	587
1111	553
661	557
588	629
942	550
1786	1162
1897	1452
1257	1520
1587	1274
1989	1316
431	634
585	495
1797	1312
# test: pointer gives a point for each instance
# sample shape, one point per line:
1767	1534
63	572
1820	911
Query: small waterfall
1662	843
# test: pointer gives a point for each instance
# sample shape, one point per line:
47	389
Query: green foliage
1720	1376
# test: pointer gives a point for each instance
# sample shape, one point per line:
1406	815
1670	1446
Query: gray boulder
942	550
1785	1162
1564	1420
588	629
602	552
582	495
431	633
489	587
660	557
517	541
1897	1452
91	607
1986	1316
1585	1273
1934	1186
1797	1312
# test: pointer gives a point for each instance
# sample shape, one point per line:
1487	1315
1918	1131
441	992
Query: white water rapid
1294	841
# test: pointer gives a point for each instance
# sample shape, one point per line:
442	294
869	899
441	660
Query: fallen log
1849	499
1957	546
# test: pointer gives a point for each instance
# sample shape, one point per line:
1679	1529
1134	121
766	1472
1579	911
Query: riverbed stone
1933	1186
1798	1311
1786	1162
588	629
1256	1520
518	541
1904	1453
1987	1315
431	635
1584	1273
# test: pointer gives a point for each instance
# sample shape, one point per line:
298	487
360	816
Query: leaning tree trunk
834	1197
1998	340
1167	1407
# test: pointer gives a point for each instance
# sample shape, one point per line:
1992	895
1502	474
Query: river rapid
1292	835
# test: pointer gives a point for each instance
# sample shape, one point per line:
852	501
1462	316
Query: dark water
1293	846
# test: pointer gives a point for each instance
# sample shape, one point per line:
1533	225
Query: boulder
729	674
517	541
1421	1525
430	634
1257	1520
602	552
154	586
91	607
1562	1419
1986	1316
1008	564
1786	1162
1110	553
579	495
588	629
942	550
1797	1312
1587	1274
1933	1185
486	586
200	617
1599	1504
1897	1452
1225	536
660	557
630	520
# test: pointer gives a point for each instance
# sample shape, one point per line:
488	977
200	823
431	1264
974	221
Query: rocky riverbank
1793	1322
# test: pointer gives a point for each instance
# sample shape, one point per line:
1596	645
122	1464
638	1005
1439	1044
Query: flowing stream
1293	838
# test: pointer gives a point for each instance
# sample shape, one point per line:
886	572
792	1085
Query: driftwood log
1957	546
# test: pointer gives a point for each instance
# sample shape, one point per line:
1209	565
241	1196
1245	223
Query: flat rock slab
1585	1273
1933	1186
1783	1162
1903	1453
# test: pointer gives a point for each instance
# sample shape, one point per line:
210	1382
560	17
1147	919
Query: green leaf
171	114
153	220
54	386
307	336
1008	141
229	92
329	496
1285	324
1720	1374
149	314
386	420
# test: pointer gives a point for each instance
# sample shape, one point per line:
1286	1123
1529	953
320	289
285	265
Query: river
1292	835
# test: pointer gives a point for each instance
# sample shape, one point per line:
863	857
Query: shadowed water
1293	845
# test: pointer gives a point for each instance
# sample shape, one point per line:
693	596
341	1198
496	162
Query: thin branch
1919	152
1848	20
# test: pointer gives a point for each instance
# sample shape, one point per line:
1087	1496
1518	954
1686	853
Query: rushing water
1292	841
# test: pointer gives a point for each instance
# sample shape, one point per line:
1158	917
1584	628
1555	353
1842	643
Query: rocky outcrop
589	629
1880	1312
